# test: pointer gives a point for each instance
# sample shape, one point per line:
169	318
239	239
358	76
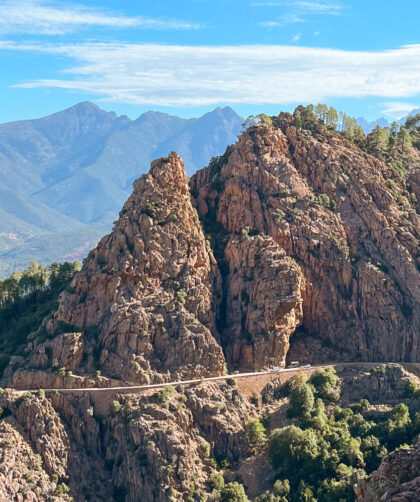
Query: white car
306	366
276	369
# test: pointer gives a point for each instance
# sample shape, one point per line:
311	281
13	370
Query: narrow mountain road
139	388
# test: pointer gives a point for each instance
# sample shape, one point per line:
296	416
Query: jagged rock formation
146	296
154	448
343	215
34	450
396	480
264	302
297	231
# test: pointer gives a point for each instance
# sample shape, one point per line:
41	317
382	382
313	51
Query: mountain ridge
80	163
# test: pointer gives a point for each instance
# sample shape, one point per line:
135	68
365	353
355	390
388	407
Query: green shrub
204	450
181	297
216	482
231	382
163	395
61	372
233	492
115	407
255	434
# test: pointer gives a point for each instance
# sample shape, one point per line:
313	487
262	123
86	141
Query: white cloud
296	37
170	75
321	7
398	109
299	11
43	18
283	21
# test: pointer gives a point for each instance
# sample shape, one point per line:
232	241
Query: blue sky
187	57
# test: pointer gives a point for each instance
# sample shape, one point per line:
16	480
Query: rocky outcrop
343	215
264	299
160	447
34	450
378	384
396	480
146	297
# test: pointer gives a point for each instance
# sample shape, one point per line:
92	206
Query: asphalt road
135	388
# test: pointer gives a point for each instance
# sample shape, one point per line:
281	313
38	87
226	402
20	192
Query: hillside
74	169
295	244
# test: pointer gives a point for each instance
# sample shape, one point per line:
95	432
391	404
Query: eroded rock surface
396	480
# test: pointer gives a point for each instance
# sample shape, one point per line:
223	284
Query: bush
233	492
293	450
216	482
231	382
255	434
204	450
163	395
181	297
115	407
61	372
302	400
326	384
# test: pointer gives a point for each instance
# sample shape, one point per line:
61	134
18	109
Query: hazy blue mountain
53	246
383	122
369	126
74	169
97	189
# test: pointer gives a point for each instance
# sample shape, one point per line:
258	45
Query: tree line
26	298
35	278
392	144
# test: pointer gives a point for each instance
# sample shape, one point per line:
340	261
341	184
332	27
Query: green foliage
245	232
26	298
278	215
61	372
150	210
204	450
252	120
326	384
216	482
181	296
62	489
324	201
327	449
302	399
233	492
163	395
255	434
115	407
231	382
279	493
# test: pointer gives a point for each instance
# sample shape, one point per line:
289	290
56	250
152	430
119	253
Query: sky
186	57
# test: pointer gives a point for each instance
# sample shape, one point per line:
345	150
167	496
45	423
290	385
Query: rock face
147	295
264	299
345	218
289	233
160	446
33	452
396	480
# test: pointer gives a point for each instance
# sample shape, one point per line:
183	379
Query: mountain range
65	176
368	126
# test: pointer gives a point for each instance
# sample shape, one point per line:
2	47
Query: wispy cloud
299	11
319	7
283	21
398	109
171	75
45	18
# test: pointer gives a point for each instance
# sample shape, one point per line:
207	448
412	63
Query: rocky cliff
344	217
291	237
396	480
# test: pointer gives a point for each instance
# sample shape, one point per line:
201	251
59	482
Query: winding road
139	388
